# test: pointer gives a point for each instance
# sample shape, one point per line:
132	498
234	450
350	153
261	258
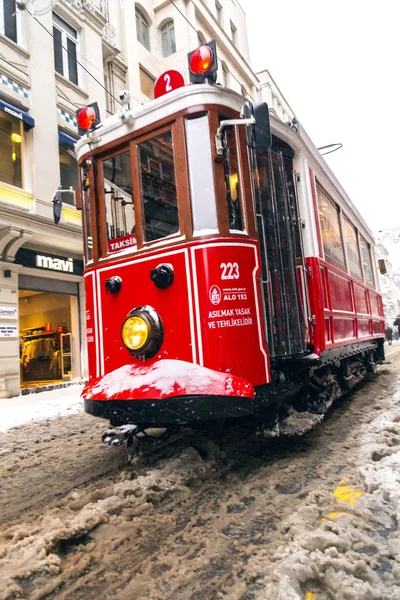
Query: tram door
281	249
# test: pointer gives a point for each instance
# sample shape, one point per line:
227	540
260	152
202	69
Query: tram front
175	328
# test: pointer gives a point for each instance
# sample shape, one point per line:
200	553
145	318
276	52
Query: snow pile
44	405
343	542
31	551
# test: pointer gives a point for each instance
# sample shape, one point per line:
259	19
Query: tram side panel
344	310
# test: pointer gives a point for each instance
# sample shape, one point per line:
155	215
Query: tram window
232	182
330	228
366	260
86	212
350	240
158	187
201	174
118	198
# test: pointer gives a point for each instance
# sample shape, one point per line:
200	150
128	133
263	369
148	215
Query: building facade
389	284
56	56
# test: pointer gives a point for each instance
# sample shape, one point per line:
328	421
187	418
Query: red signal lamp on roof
203	63
87	118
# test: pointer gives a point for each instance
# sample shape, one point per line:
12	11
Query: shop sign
8	331
8	312
50	262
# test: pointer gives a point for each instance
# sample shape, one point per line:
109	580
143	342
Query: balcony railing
101	6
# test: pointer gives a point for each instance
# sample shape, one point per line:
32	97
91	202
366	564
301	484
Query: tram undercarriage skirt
178	411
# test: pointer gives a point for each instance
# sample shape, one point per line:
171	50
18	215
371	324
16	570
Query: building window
233	33
225	76
65	41
366	260
146	83
330	228
350	240
11	149
168	45
8	19
68	170
218	12
142	29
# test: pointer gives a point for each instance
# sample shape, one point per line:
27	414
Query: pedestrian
397	324
389	335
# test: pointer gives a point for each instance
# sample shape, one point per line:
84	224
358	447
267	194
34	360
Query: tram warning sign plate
167	82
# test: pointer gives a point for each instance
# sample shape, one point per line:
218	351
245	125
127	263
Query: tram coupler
117	435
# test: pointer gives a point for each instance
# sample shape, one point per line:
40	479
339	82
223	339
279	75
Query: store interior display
45	337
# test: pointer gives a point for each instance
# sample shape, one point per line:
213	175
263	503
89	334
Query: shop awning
29	121
68	140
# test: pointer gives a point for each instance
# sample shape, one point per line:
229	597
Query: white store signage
55	264
8	312
8	331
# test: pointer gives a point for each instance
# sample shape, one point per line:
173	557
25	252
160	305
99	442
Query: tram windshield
158	188
118	199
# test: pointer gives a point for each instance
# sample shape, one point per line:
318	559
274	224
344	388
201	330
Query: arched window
168	45
142	29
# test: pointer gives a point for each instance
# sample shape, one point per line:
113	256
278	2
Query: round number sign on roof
168	81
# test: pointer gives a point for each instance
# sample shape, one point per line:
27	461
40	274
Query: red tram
227	273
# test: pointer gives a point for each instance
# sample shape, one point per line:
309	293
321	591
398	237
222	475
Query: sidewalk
44	405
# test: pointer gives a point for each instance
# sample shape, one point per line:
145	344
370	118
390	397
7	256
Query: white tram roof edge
141	116
115	127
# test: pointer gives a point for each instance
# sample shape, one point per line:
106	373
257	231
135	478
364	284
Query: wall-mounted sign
8	331
8	312
50	262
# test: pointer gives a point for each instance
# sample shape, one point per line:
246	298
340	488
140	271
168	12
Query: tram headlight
143	332
135	333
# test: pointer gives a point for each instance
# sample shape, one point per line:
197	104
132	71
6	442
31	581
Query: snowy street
209	516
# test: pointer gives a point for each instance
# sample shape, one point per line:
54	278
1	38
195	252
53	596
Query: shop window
366	260
46	324
350	240
118	198
146	83
8	19
168	45
201	176
142	29
68	171
330	228
65	41
232	180
11	149
160	208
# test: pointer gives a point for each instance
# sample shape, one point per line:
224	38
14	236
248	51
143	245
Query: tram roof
189	96
146	114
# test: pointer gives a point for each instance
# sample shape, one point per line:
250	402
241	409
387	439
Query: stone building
56	56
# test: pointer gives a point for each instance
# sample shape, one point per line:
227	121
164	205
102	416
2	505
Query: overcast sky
338	63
